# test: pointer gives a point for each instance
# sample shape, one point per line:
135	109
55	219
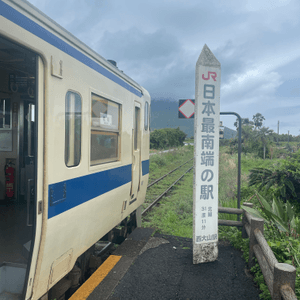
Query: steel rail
162	177
165	192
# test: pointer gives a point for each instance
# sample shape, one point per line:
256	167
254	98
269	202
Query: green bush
166	138
280	180
225	142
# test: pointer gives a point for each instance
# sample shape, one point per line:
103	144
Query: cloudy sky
158	42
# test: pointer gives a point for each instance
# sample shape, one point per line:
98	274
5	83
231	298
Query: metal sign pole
206	153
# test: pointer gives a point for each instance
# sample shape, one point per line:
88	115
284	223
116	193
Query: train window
146	116
105	125
136	128
72	129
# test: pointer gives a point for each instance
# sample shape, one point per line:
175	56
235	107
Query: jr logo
212	74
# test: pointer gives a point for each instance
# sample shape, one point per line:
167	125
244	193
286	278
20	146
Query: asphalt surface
160	267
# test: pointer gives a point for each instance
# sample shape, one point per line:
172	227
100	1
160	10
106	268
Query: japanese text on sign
208	121
206	171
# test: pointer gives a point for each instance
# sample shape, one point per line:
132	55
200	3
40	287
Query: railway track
169	188
162	177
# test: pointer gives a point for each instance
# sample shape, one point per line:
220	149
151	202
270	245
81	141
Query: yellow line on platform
87	288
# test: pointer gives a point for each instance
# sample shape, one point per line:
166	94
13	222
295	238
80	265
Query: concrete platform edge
129	250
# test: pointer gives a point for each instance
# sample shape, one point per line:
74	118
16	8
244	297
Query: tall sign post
206	171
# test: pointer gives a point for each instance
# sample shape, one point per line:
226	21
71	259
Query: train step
12	286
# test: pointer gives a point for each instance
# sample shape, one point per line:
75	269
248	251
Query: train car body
74	150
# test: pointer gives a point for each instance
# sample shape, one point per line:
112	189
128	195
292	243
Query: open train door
34	177
136	152
21	167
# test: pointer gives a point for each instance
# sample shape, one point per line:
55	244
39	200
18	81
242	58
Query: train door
19	91
136	153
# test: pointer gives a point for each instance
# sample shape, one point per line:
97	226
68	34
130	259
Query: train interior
17	165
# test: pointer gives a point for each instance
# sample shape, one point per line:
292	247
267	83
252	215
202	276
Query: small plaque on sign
105	119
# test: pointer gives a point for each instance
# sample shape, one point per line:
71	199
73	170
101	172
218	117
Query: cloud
134	45
156	60
290	88
251	86
284	110
158	42
252	79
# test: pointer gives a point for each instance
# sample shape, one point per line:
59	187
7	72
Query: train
74	152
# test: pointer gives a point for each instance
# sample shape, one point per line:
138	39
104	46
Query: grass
249	162
163	163
227	177
174	215
156	190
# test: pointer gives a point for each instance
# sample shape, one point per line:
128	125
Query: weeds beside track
167	190
157	180
172	166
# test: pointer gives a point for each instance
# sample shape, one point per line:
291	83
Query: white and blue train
74	150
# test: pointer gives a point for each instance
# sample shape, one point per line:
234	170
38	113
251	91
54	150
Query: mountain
164	114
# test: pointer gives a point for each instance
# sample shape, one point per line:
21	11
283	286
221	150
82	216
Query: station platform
154	266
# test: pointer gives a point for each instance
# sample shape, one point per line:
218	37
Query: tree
263	135
245	121
254	137
247	134
258	120
166	137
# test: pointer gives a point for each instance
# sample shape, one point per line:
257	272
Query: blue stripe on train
73	192
145	167
16	17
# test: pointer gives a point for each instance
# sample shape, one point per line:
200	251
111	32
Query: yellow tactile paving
86	289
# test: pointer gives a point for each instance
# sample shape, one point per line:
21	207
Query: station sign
206	171
186	109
